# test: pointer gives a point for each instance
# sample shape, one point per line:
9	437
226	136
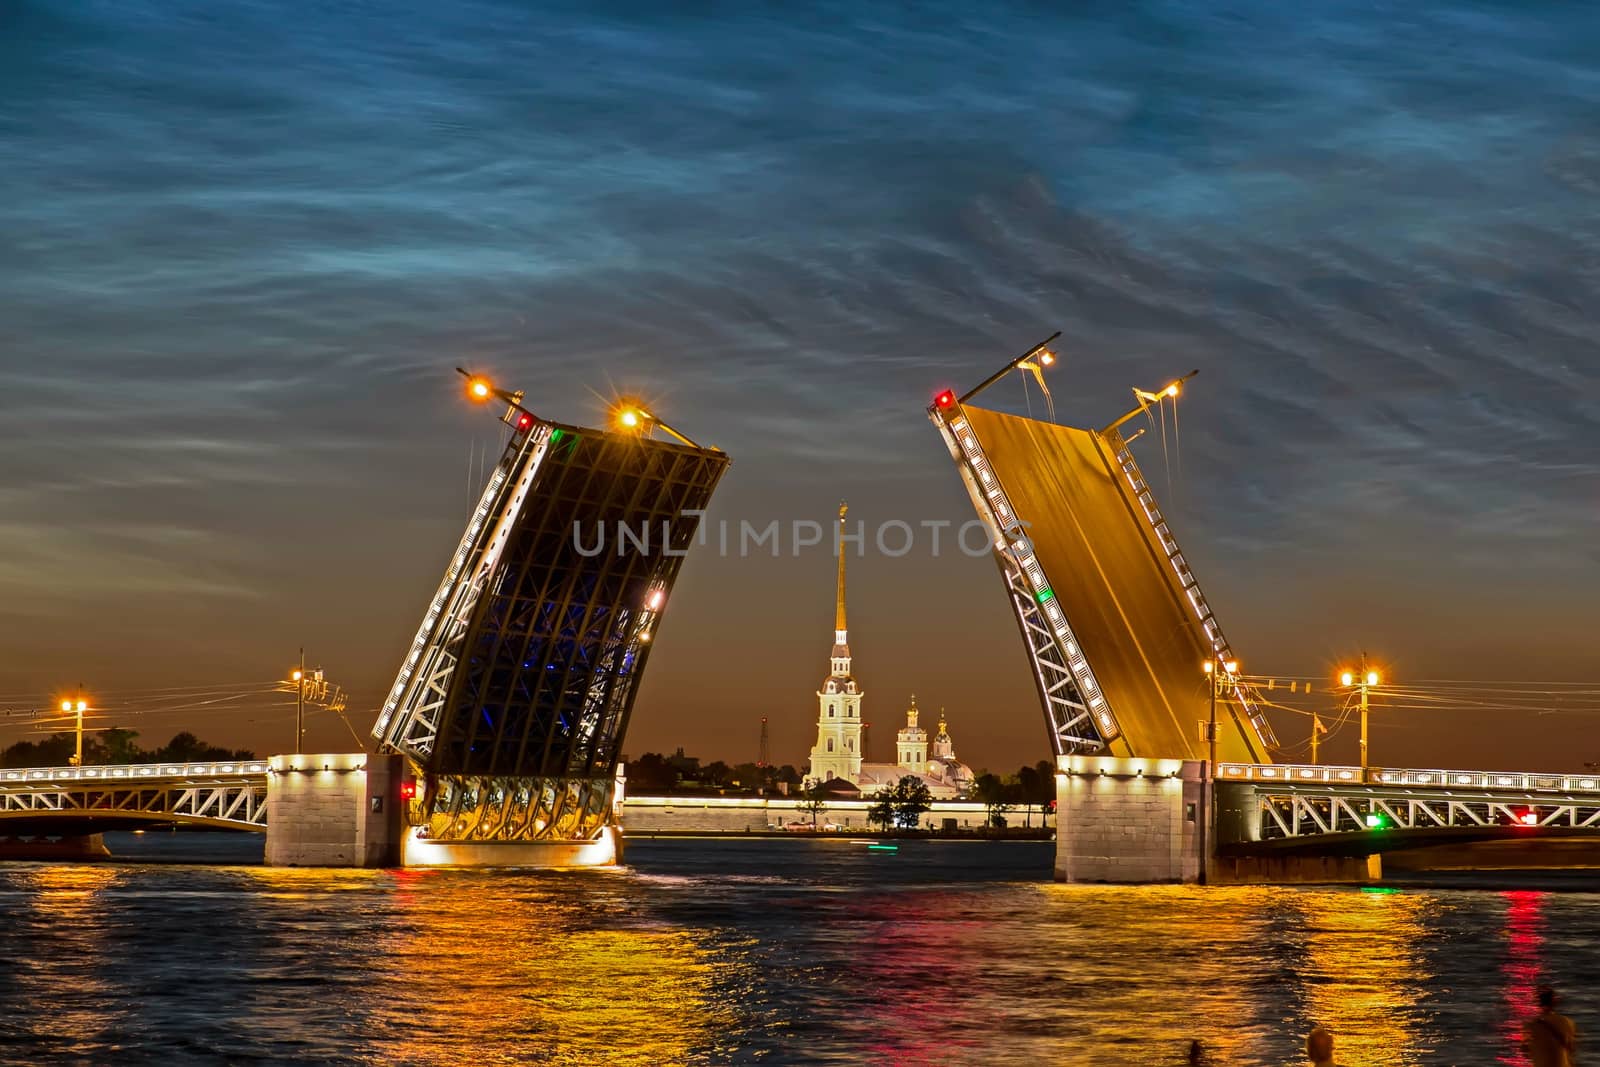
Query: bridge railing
1435	778
130	773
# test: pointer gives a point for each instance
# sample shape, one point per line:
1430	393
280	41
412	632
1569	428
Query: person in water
1549	1038
1319	1048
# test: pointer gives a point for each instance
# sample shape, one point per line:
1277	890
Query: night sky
242	246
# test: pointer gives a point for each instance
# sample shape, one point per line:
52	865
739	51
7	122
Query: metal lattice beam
225	795
1304	801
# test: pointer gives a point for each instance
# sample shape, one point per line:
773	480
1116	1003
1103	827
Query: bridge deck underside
1141	638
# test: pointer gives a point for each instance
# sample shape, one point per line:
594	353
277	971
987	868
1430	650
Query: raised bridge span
1111	613
1116	629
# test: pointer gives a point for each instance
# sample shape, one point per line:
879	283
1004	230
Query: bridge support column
333	810
1128	820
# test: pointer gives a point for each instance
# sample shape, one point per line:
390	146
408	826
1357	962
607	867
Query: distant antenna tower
764	761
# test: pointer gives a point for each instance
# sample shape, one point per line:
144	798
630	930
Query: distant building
945	776
837	756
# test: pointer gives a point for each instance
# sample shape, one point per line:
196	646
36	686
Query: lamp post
78	705
1217	672
304	678
1361	680
300	704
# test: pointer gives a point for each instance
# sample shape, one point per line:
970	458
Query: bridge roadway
226	794
1268	809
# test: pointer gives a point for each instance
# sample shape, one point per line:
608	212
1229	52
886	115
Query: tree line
654	773
115	746
1031	787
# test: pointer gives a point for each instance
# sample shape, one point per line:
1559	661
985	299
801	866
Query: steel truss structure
515	695
226	795
486	808
1076	714
1300	801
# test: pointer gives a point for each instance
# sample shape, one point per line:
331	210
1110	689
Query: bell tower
837	753
911	743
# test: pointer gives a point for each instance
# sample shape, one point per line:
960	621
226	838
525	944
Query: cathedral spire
838	609
841	640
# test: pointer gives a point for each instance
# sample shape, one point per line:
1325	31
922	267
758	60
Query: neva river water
760	951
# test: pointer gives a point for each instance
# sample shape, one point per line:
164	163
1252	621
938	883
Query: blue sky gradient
243	244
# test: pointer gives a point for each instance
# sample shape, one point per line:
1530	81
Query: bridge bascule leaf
1112	618
514	697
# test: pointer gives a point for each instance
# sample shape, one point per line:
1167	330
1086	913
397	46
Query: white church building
837	755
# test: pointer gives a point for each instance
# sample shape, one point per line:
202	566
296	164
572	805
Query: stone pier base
1128	820
1142	821
333	810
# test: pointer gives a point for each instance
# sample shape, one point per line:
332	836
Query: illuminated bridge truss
224	795
1061	671
483	808
515	695
1300	802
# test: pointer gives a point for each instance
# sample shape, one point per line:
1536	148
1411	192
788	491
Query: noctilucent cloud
243	246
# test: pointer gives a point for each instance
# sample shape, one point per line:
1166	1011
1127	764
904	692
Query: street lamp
481	389
633	417
77	705
1361	680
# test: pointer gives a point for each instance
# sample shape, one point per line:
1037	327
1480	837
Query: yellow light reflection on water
67	995
1242	969
1364	972
460	961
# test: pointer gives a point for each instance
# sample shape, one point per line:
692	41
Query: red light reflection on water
1521	970
920	1028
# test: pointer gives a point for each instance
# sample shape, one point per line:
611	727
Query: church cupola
943	746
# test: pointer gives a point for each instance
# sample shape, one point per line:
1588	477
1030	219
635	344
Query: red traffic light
408	789
944	399
524	420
